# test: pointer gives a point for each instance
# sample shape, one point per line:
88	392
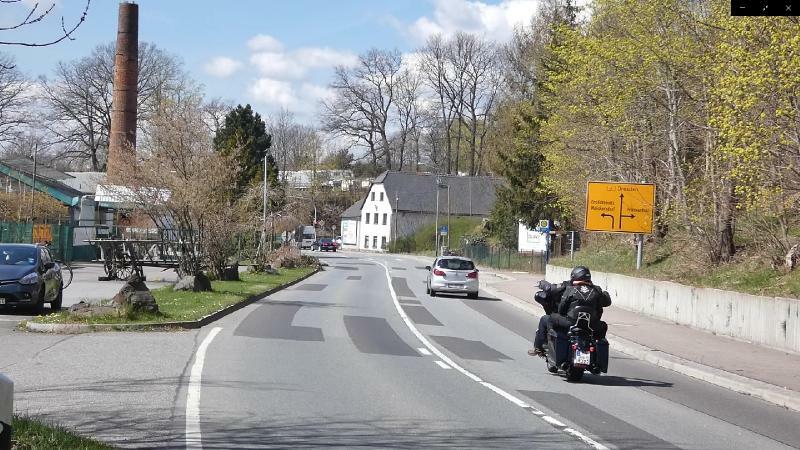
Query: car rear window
456	264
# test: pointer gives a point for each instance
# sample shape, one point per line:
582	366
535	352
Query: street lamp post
436	231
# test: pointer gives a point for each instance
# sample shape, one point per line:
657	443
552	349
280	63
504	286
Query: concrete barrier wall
769	321
6	411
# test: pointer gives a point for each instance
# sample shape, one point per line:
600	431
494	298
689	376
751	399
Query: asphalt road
332	362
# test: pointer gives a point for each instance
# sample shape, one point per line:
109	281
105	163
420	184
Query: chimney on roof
122	142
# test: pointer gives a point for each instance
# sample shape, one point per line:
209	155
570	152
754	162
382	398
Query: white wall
372	229
769	321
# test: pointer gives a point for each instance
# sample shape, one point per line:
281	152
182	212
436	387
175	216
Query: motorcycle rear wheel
574	374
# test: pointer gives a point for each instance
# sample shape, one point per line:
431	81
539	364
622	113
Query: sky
269	53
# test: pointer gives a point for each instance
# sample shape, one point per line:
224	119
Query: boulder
201	283
135	295
185	284
84	309
231	273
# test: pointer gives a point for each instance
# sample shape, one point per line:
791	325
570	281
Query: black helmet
580	273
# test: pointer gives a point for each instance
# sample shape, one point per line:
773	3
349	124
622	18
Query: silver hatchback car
453	274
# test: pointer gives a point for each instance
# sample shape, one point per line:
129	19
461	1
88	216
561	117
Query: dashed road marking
442	365
424	351
446	360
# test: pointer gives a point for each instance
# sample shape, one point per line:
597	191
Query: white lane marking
513	399
552	421
193	437
442	365
424	351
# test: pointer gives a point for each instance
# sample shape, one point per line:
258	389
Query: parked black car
29	277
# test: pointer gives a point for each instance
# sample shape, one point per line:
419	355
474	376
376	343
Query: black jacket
572	294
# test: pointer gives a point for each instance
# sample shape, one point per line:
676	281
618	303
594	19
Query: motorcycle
575	351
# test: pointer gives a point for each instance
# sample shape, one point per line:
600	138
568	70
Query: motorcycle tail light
438	273
574	346
591	349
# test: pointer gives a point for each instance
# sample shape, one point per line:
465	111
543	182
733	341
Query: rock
84	309
270	270
185	284
201	283
231	273
136	295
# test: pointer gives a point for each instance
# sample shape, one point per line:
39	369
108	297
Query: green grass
424	240
31	434
743	274
176	306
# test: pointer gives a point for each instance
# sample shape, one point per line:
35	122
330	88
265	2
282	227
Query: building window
383	242
374	241
366	241
372	196
381	196
385	218
366	219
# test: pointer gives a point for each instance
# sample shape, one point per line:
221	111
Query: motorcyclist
549	296
582	292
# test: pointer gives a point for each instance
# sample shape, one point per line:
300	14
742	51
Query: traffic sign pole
639	250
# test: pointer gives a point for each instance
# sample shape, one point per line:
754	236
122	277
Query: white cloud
272	92
264	43
277	65
222	67
324	57
496	22
314	93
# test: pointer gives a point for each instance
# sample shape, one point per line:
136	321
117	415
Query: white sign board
531	240
349	232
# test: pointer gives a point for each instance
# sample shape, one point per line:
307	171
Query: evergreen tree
244	136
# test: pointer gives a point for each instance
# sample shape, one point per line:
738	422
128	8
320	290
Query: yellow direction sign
620	207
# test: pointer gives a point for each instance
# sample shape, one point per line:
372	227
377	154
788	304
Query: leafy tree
244	137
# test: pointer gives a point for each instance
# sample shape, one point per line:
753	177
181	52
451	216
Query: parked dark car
325	245
29	277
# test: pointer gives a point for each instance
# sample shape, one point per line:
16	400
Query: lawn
743	274
176	306
31	434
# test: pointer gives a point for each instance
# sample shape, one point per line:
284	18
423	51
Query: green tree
244	137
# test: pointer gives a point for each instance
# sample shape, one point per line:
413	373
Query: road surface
359	356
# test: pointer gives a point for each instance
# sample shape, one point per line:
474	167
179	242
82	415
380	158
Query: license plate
2	301
583	358
454	286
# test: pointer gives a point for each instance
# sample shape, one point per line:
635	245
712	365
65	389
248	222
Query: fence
59	236
511	259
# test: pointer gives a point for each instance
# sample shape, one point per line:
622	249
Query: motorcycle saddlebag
561	345
601	349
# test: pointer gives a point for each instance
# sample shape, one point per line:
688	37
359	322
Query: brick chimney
122	142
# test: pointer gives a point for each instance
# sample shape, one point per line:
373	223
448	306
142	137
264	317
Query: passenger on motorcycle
561	301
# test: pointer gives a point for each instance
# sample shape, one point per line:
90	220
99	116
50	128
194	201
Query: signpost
621	208
443	230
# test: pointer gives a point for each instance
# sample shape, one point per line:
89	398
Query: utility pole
448	217
33	189
396	208
436	231
266	194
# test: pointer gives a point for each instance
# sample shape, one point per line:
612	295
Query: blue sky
271	54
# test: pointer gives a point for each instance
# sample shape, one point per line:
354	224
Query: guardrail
6	411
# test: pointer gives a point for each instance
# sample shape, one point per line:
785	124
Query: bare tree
363	103
408	117
79	99
34	15
12	99
295	146
214	112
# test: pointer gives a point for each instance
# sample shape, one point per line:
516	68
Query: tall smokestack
122	142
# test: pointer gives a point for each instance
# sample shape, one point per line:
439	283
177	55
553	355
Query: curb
74	328
768	392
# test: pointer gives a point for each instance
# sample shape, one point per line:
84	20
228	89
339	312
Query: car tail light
438	273
473	274
591	349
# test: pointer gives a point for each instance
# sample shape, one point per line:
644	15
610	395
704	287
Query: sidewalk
743	367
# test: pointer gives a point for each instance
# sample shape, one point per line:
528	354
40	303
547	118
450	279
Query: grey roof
469	196
85	182
44	175
353	212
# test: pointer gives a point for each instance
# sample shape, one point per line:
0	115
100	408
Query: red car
326	245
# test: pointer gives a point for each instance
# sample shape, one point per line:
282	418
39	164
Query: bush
285	257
